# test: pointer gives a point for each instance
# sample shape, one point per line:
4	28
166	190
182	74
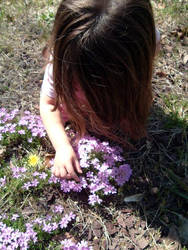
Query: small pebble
185	41
154	190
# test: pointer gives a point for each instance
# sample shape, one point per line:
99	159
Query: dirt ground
157	217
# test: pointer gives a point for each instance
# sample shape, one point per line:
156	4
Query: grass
159	163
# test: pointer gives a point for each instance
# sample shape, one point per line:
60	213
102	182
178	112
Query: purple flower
70	245
14	239
43	176
53	179
27	185
23	122
15	217
109	189
99	160
18	171
66	219
58	209
34	183
3	181
30	140
21	132
94	199
122	174
36	173
47	227
83	245
38	221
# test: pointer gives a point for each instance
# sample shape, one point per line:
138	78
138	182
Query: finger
63	172
68	177
55	171
77	166
72	173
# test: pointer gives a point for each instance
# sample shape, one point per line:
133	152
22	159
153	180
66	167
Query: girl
99	76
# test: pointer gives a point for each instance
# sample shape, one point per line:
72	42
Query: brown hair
107	48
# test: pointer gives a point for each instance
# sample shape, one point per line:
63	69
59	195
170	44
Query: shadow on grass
160	176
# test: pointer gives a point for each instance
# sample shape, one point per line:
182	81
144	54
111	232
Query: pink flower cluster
11	239
18	172
70	245
36	181
104	170
22	173
10	123
14	239
103	166
33	123
49	224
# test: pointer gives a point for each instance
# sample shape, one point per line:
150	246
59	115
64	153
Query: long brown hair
107	48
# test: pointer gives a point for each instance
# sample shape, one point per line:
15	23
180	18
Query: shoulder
158	36
48	83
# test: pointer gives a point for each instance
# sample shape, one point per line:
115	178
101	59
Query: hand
66	165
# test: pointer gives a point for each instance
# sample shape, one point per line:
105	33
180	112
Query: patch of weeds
173	121
3	89
48	18
173	8
2	14
177	110
20	131
45	21
50	2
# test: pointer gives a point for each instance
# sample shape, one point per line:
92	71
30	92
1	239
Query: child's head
106	47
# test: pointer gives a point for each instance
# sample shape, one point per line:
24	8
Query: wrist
64	145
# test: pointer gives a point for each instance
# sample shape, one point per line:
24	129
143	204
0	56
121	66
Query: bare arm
158	42
66	164
158	47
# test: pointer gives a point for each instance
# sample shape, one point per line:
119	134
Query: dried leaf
130	220
65	236
161	6
132	233
97	233
27	211
169	48
2	152
121	221
180	34
142	243
154	190
185	41
111	228
97	229
47	159
161	74
96	244
103	244
89	234
126	210
11	164
185	59
96	225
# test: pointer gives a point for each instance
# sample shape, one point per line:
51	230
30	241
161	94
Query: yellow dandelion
33	160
